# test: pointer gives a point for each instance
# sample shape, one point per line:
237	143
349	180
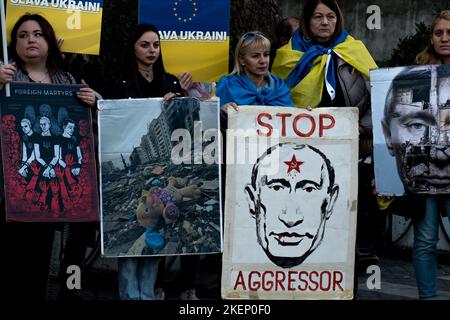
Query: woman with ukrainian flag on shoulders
326	67
323	65
250	82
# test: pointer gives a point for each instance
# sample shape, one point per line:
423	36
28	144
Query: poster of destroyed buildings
411	126
48	155
159	177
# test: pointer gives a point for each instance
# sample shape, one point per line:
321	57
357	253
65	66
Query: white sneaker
160	294
188	295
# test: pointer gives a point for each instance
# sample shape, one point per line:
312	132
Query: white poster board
160	181
291	198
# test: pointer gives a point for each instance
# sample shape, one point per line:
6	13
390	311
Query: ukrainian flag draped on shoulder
308	67
241	90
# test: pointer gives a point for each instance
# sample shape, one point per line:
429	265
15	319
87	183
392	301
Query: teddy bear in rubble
161	203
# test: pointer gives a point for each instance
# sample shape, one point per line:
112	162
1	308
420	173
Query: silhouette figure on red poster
47	170
27	147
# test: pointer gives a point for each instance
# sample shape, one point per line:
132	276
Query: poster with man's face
48	155
160	186
411	125
290	203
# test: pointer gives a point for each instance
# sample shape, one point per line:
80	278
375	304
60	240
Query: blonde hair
250	40
429	55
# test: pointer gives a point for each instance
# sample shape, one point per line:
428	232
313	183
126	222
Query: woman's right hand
228	106
7	72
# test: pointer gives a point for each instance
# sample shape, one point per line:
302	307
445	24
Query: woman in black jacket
142	75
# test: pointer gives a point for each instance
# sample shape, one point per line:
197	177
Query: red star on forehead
293	164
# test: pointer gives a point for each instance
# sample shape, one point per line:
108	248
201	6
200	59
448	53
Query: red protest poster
48	156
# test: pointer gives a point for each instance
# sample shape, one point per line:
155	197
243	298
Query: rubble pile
198	229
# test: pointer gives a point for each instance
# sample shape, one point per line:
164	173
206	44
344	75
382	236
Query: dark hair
416	77
308	11
129	66
54	59
283	32
67	121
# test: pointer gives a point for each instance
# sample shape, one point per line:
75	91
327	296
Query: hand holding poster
411	121
290	216
159	177
48	155
76	22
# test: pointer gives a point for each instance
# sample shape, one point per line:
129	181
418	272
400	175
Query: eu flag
194	35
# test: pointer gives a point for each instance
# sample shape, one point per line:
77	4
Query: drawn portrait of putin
291	205
416	126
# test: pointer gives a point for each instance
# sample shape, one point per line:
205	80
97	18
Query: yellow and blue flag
194	35
78	23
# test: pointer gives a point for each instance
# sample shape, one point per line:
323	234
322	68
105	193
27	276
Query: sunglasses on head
250	35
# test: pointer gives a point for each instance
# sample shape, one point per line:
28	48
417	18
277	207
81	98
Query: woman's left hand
87	95
171	95
185	79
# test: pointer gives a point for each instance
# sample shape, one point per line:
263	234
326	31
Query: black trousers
188	275
26	250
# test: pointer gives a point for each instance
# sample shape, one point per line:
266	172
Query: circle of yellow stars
181	17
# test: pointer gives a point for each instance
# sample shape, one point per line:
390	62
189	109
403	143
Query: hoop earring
307	39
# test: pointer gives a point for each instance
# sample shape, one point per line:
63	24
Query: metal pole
4	42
